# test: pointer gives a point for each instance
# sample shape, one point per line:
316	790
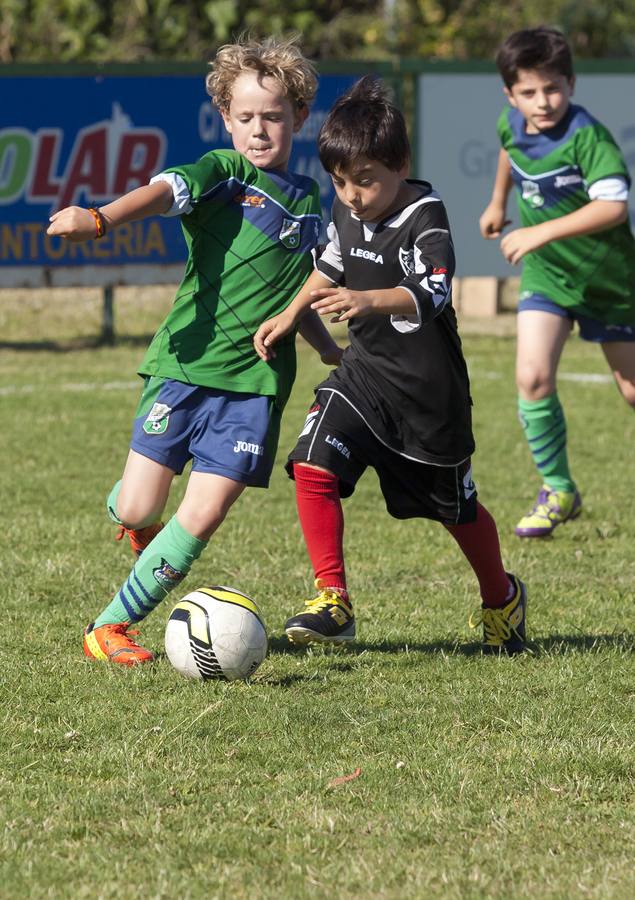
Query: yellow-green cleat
504	627
551	509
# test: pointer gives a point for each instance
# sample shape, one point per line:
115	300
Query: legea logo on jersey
247	447
367	254
158	419
290	233
531	193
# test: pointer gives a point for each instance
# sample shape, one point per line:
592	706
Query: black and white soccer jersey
404	375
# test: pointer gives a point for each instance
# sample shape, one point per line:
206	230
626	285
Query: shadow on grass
88	342
554	645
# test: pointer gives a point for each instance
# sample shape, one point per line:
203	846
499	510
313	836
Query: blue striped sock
163	564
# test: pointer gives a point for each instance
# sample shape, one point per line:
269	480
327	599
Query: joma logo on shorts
343	449
245	447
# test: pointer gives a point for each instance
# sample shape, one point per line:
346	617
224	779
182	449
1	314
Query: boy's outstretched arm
277	327
78	224
343	304
598	215
493	220
314	333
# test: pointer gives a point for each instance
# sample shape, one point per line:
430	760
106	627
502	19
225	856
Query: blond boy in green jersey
250	226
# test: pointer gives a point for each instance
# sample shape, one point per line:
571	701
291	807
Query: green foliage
138	30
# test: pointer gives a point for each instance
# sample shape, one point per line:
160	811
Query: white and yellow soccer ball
216	632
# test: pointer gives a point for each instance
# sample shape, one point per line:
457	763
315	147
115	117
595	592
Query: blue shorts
222	432
590	329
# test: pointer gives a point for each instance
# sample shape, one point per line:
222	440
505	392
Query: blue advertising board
86	140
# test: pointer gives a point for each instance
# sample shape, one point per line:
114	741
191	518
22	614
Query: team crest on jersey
167	575
290	233
531	193
407	260
158	419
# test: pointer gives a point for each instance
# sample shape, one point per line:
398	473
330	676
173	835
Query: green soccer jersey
250	235
593	274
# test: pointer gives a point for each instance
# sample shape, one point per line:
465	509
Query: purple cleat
551	509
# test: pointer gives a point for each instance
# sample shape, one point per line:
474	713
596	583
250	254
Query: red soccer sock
479	542
322	520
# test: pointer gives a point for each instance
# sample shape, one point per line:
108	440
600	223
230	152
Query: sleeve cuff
407	324
182	199
609	189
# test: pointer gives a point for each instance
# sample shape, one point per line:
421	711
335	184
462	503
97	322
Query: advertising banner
458	149
86	140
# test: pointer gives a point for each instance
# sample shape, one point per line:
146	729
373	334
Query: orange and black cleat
139	537
112	643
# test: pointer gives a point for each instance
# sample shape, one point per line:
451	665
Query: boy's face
369	189
541	97
262	120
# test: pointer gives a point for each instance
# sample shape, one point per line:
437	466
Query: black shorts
336	437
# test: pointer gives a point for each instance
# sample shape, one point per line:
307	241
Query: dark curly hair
364	122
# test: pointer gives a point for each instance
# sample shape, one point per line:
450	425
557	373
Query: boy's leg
329	616
136	502
541	338
620	356
322	520
163	564
326	464
504	599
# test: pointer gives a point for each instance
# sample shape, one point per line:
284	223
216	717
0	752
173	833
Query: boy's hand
270	332
73	223
492	222
341	303
518	243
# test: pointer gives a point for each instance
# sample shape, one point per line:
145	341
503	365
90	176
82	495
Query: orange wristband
100	222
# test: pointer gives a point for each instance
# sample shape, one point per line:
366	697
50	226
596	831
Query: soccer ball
216	632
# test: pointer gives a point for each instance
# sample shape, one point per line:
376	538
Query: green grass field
480	777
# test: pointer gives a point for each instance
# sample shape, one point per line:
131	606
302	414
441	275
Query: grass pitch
478	777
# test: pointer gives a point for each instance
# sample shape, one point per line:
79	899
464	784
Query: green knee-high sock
546	431
111	506
162	565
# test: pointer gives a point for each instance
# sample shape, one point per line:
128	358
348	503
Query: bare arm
314	333
598	215
77	224
344	304
277	327
493	220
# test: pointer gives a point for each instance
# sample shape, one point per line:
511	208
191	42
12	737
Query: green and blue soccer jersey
554	172
250	235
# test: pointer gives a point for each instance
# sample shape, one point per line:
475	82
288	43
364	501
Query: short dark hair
364	122
534	48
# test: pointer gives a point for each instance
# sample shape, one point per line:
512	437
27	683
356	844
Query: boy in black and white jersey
400	399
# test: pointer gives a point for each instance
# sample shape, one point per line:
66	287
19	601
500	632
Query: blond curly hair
279	58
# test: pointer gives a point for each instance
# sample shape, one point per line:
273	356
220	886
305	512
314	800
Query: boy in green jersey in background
250	228
577	249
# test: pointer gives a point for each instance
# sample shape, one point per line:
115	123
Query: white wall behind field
458	149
